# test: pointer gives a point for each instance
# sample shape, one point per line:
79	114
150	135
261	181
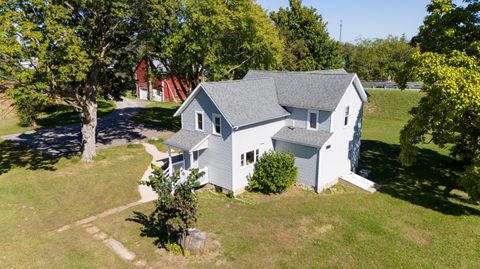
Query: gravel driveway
114	129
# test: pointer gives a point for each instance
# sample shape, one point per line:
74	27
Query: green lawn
55	116
38	194
409	223
160	114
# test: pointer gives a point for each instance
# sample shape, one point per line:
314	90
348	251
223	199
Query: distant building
163	90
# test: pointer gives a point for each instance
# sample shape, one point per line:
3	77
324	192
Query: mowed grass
409	223
160	114
58	115
39	195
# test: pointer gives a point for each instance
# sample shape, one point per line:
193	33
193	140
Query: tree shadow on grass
159	116
151	228
422	184
16	156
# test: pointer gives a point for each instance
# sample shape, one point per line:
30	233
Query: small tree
177	205
274	173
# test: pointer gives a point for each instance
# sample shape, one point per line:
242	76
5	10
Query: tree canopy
308	45
450	27
377	59
215	39
449	113
76	51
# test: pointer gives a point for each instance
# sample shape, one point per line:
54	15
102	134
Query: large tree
449	113
308	45
377	59
77	50
450	27
217	39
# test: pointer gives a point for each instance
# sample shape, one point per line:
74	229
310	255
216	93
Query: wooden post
170	164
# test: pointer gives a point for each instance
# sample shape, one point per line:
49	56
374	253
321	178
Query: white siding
298	118
306	160
335	161
218	156
257	136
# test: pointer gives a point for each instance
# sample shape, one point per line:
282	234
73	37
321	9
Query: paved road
116	128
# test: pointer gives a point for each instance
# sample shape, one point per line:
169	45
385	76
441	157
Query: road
114	129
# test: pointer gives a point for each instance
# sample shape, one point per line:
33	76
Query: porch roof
302	136
188	140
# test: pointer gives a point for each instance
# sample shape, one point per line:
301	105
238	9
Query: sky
365	18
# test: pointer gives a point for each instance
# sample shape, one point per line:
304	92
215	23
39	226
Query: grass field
40	194
409	223
56	116
160	114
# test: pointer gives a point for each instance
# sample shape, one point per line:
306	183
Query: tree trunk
88	118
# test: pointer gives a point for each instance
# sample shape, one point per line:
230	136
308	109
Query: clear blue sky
365	18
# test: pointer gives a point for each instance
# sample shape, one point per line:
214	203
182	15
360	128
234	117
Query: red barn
163	90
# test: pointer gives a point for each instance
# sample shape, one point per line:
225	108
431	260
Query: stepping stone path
111	243
146	194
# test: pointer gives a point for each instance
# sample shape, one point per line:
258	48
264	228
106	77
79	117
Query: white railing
185	173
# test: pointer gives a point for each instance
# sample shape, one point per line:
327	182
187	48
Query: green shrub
274	173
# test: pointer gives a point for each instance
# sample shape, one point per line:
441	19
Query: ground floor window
249	157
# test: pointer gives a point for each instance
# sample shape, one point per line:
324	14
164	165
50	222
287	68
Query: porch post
190	156
170	165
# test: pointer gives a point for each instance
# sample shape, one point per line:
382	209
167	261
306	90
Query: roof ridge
235	80
316	72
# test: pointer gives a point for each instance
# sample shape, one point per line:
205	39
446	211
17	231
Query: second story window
347	115
312	123
199	121
217	124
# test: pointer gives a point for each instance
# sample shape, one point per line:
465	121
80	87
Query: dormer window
312	123
347	116
199	121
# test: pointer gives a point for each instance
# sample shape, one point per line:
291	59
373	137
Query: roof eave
263	120
297	142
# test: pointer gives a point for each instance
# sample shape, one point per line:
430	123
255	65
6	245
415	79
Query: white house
228	125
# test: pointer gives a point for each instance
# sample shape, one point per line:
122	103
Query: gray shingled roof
244	102
320	90
302	136
185	139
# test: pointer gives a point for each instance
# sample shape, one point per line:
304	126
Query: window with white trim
312	120
347	115
249	157
217	124
199	121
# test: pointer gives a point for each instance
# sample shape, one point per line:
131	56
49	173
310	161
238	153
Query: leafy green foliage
216	39
377	59
177	205
471	179
449	113
450	27
76	51
308	45
274	173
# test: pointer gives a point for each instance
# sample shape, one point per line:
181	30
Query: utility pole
341	28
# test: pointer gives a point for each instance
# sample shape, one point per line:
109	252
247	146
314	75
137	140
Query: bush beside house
274	173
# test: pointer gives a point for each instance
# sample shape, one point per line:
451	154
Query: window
199	121
249	157
312	120
347	115
217	124
195	156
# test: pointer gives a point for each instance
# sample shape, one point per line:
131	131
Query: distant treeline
377	59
